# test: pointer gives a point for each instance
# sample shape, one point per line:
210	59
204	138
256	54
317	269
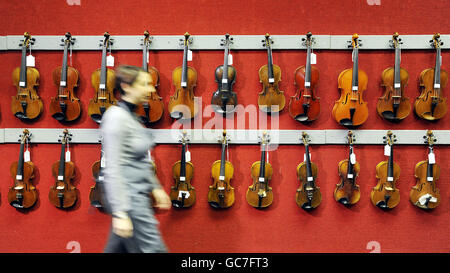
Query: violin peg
231	39
62	40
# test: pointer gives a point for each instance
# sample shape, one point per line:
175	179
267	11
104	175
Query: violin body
427	105
23	194
307	197
103	98
347	192
152	110
260	195
26	105
305	106
66	106
63	194
178	199
385	195
95	193
226	100
182	104
271	99
386	107
351	109
221	193
425	189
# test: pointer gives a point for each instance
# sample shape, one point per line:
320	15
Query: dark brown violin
23	194
63	194
183	193
431	104
182	104
393	105
385	195
65	106
259	194
152	110
221	193
308	195
351	110
271	99
224	100
26	105
103	81
425	193
305	106
95	193
347	191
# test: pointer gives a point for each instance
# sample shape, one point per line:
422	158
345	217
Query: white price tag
350	175
310	178
189	55
261	179
307	84
62	83
430	179
18	177
304	156
230	59
313	58
221	178
147	56
102	86
60	178
183	84
186	194
353	158
390	178
431	158
271	80
101	178
224	80
31	62
110	60
355	88
22	84
26	156
188	156
102	162
387	150
397	85
67	156
437	85
182	178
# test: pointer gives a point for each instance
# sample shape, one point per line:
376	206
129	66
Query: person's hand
162	200
122	226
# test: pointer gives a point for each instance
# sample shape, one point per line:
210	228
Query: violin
63	194
22	194
347	191
305	106
259	194
385	195
308	195
95	192
224	100
26	105
425	193
221	193
431	104
182	104
65	106
152	110
271	99
393	105
183	193
103	81
351	110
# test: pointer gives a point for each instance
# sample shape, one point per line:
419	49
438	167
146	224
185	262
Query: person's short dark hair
126	74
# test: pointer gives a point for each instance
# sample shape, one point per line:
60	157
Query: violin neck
308	66
350	165
270	64
397	68
437	68
184	72
62	162
225	84
23	66
430	166
144	57
390	171
222	161
355	81
103	67
183	161
20	163
262	168
64	65
308	162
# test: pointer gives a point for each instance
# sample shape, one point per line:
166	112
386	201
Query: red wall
283	227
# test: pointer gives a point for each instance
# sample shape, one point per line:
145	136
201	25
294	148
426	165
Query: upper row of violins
350	110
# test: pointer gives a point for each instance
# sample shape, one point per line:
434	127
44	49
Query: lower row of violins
385	195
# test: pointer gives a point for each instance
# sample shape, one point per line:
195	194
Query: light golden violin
308	195
431	104
385	195
394	105
221	193
347	191
425	193
351	110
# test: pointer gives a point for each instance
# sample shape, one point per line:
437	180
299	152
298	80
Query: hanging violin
65	107
385	195
271	99
183	193
23	193
26	105
63	194
305	106
425	193
431	104
224	100
259	194
152	110
351	110
308	195
393	105
347	191
182	104
95	193
103	81
221	193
